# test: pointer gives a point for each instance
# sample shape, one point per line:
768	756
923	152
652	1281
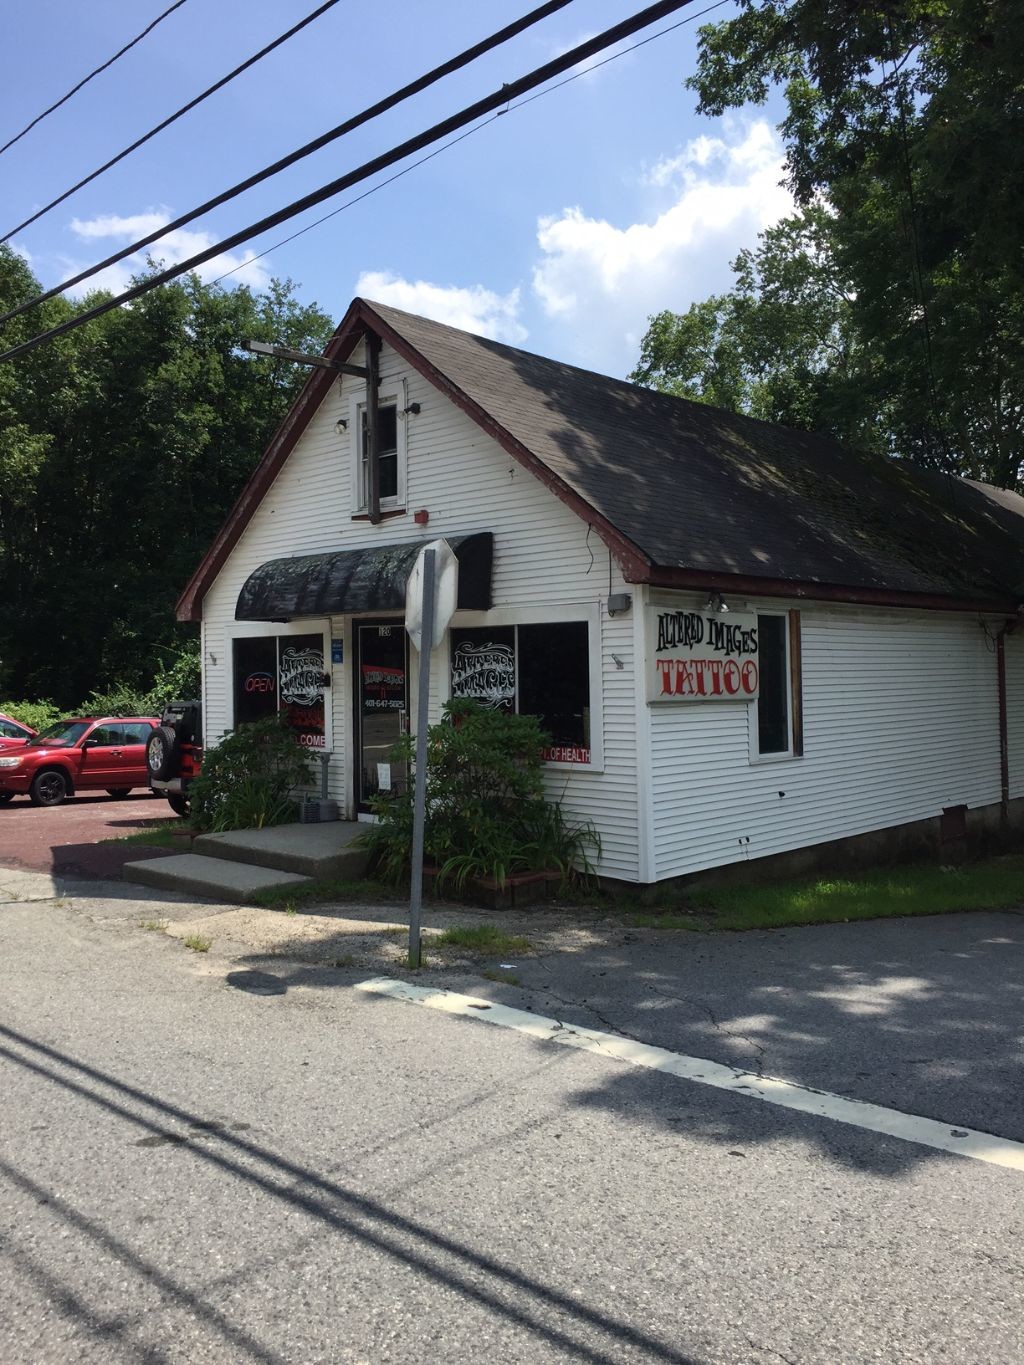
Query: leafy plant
119	700
249	777
178	679
487	814
38	714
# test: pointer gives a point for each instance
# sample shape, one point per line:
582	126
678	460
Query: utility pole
371	373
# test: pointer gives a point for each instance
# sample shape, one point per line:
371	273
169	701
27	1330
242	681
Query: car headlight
10	762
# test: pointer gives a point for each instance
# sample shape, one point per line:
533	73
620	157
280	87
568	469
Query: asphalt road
192	1172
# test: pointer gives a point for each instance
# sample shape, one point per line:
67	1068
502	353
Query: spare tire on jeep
162	753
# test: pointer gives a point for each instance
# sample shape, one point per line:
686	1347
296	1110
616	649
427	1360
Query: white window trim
242	630
782	755
588	612
391	391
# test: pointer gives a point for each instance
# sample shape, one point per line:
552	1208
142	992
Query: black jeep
174	753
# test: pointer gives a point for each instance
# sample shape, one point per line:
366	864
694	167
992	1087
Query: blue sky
558	227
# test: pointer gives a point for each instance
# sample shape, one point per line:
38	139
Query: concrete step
211	878
311	850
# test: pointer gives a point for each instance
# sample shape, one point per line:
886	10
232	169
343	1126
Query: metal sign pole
420	793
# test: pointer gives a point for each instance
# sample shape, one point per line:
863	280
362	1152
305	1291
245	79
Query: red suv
13	733
106	753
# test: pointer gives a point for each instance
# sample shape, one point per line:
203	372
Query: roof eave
701	580
189	606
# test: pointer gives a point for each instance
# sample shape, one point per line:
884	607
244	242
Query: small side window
778	709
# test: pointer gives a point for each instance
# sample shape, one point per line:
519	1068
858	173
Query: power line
86	79
469	114
356	121
415	165
185	109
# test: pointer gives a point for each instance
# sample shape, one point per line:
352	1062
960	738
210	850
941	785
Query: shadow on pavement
922	1015
550	1316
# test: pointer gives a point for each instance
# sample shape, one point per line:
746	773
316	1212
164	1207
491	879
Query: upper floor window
390	453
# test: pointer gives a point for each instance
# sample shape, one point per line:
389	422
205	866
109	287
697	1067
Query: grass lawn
878	893
159	835
329	890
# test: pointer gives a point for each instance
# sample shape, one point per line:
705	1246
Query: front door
381	661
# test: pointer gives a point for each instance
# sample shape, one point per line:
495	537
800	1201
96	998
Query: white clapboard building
743	640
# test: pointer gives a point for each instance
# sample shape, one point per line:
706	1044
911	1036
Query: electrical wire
356	121
179	113
86	79
503	96
519	104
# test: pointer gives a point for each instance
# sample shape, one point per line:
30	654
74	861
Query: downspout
1007	628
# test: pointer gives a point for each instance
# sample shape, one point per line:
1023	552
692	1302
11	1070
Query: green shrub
179	680
249	777
38	714
118	700
486	811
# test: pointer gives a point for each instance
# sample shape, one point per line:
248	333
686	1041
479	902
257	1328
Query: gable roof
688	495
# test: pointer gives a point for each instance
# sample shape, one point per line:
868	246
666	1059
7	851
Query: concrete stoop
232	867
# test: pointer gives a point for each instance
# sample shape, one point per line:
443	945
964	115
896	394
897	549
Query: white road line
945	1137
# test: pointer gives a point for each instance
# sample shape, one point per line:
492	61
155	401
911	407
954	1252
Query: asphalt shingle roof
698	488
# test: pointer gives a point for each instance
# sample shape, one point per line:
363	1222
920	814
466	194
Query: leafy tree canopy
890	309
122	446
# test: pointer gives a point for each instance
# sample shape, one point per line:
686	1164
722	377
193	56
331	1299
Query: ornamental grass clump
249	778
487	815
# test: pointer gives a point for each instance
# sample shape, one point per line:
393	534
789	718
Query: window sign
255	667
301	686
484	667
282	673
531	670
702	656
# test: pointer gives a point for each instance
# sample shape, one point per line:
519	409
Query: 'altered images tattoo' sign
485	672
702	656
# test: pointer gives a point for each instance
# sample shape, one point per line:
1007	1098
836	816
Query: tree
132	436
904	138
782	345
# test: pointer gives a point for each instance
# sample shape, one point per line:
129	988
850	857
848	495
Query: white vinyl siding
544	556
900	719
1015	710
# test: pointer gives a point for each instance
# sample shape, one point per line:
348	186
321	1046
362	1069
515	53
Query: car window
61	734
10	730
105	734
137	733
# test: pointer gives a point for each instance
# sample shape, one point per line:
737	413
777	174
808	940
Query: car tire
162	753
5	797
118	792
178	803
49	788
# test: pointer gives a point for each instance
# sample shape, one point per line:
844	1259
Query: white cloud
171	249
602	280
474	309
598	60
23	252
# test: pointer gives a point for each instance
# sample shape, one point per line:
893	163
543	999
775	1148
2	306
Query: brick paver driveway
67	839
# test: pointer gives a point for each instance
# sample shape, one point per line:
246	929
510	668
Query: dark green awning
346	581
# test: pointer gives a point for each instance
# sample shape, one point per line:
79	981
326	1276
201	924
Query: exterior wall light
341	425
715	602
